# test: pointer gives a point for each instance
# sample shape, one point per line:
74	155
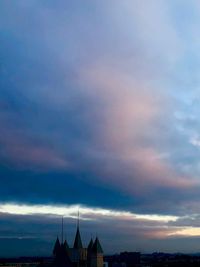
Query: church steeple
90	245
62	232
56	249
77	241
66	246
96	248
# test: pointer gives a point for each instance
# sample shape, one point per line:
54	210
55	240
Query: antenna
78	218
62	231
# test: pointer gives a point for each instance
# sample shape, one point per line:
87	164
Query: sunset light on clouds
99	111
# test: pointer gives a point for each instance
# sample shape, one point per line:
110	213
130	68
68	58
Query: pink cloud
30	156
26	153
132	111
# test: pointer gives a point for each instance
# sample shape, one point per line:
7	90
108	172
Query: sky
99	112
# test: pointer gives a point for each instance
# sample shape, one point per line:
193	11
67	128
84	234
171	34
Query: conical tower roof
77	241
56	247
97	247
90	245
66	246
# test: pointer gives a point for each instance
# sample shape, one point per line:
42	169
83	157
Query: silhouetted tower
96	259
62	232
79	253
90	245
78	241
66	249
56	247
89	252
61	252
66	246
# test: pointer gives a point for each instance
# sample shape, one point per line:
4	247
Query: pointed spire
78	219
90	245
97	249
77	241
56	247
62	231
66	246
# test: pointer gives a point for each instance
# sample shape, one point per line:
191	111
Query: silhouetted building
78	256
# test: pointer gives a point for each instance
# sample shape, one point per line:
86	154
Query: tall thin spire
78	241
62	231
78	219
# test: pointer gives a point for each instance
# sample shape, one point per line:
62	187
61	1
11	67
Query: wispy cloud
88	213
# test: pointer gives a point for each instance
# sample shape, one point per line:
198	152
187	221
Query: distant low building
124	259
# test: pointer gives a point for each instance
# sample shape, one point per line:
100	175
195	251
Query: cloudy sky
99	112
